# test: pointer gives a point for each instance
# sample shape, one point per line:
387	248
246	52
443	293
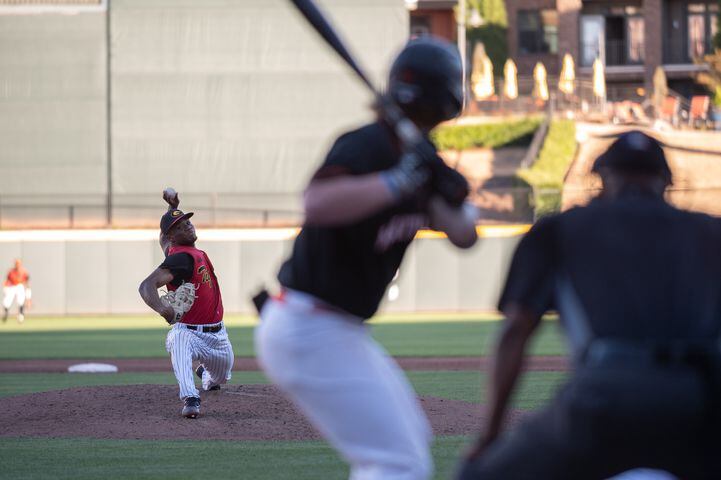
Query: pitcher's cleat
199	372
191	407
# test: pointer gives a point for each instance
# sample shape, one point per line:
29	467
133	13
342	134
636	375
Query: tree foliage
493	31
492	11
711	78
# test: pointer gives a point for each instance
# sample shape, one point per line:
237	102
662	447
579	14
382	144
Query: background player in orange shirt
16	287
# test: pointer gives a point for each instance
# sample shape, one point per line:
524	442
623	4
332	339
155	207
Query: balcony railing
617	52
685	51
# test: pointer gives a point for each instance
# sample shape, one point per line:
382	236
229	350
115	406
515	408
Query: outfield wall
98	272
232	102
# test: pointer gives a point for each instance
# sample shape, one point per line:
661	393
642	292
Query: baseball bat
323	27
405	129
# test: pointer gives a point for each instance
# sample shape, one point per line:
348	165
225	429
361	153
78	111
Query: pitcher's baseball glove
181	300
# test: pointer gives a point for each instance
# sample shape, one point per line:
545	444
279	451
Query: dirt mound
238	412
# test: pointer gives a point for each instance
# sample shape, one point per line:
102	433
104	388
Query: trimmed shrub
548	172
490	135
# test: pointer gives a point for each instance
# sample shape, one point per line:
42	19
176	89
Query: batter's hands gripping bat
450	184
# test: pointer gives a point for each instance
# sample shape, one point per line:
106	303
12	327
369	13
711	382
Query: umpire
637	284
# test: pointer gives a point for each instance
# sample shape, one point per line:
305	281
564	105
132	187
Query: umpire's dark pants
607	420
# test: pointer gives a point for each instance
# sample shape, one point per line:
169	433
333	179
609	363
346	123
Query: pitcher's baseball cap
637	152
171	217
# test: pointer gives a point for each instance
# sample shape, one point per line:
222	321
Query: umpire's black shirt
350	266
632	268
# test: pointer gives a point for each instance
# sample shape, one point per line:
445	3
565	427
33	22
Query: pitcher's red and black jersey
208	305
350	266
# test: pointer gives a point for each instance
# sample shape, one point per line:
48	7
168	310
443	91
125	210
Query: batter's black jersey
634	268
350	266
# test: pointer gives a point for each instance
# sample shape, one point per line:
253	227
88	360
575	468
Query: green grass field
139	337
110	459
115	337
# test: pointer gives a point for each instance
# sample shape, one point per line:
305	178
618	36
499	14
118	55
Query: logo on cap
176	213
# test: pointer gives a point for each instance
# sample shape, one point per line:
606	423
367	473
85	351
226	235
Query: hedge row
490	135
548	172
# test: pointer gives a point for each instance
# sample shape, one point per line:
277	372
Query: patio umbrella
510	76
599	79
482	74
567	81
540	82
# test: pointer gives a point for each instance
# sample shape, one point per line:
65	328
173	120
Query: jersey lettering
399	229
205	275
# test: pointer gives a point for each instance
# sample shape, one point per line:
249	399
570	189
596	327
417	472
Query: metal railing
136	211
507	202
513	203
616	52
686	51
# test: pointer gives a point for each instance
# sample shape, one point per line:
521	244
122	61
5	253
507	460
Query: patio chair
699	110
670	110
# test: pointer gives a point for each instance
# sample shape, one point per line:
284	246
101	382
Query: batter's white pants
347	385
15	292
213	350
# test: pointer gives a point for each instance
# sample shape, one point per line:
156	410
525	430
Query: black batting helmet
426	80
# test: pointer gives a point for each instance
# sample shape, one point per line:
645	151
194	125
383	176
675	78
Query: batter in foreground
363	208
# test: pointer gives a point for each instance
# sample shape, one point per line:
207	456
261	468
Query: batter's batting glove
449	183
408	176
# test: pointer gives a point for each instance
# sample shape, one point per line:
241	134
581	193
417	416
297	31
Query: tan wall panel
127	267
88	277
102	277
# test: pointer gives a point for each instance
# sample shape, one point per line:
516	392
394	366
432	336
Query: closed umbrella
510	84
599	79
482	74
660	88
567	81
540	82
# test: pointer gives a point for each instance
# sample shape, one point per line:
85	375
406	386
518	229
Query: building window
689	29
696	30
537	31
635	39
613	33
420	26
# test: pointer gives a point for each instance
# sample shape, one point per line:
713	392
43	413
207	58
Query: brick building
632	36
434	17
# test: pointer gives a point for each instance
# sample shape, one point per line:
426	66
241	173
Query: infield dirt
238	412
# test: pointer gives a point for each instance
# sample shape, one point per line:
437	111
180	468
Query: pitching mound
239	412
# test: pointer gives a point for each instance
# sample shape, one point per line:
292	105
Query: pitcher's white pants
213	350
348	386
13	292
